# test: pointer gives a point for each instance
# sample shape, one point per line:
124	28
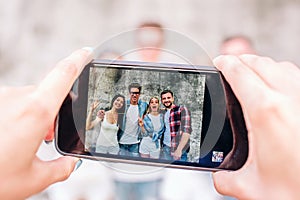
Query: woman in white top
111	122
152	128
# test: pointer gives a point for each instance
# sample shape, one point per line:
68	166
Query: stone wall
188	90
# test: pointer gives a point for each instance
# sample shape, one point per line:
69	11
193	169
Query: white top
155	121
130	135
108	134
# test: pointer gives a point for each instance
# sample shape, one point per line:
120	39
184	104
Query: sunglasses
134	93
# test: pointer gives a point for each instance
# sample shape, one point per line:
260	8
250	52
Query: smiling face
154	104
167	99
134	96
118	103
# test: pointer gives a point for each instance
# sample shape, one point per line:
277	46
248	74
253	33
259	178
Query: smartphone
174	115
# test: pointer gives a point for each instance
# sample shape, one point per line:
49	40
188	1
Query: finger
223	182
269	71
50	135
49	172
242	80
8	92
55	87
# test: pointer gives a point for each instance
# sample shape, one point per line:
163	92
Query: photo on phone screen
184	116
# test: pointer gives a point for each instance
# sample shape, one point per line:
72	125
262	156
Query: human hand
23	128
177	154
94	105
268	92
101	114
140	122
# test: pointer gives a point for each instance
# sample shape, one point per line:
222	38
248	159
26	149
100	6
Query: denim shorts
129	150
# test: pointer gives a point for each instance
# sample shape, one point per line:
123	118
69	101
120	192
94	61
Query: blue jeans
129	150
137	190
166	154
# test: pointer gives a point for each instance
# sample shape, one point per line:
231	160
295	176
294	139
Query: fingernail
48	141
90	49
217	59
218	62
77	165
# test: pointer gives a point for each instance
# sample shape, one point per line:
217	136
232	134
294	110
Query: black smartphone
174	115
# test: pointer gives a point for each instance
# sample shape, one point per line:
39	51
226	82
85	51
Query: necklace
113	117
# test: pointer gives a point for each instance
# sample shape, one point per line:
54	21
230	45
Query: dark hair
120	111
135	85
165	92
234	37
150	25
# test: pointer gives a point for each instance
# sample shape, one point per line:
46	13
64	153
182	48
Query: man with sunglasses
129	135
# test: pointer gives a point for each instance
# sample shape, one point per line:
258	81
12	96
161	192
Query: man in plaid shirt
178	129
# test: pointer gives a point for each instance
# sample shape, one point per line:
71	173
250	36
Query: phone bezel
158	66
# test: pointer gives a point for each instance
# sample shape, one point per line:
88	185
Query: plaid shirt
180	122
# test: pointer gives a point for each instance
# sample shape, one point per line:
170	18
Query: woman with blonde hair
152	129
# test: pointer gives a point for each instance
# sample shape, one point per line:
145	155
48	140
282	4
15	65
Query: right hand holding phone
269	95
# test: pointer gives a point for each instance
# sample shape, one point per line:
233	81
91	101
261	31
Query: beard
168	104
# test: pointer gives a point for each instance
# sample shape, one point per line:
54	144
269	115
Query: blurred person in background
134	182
162	183
150	40
237	45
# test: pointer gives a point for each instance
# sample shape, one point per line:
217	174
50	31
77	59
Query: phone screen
157	114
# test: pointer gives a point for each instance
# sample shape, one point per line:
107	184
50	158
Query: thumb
223	182
61	168
53	171
45	173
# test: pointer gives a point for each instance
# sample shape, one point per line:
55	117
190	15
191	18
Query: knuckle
244	191
65	173
269	105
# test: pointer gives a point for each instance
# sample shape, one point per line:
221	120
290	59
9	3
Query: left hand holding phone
23	129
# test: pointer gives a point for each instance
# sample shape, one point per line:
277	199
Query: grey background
35	34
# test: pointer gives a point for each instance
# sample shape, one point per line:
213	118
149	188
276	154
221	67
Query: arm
141	124
22	173
148	126
185	137
100	115
273	125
